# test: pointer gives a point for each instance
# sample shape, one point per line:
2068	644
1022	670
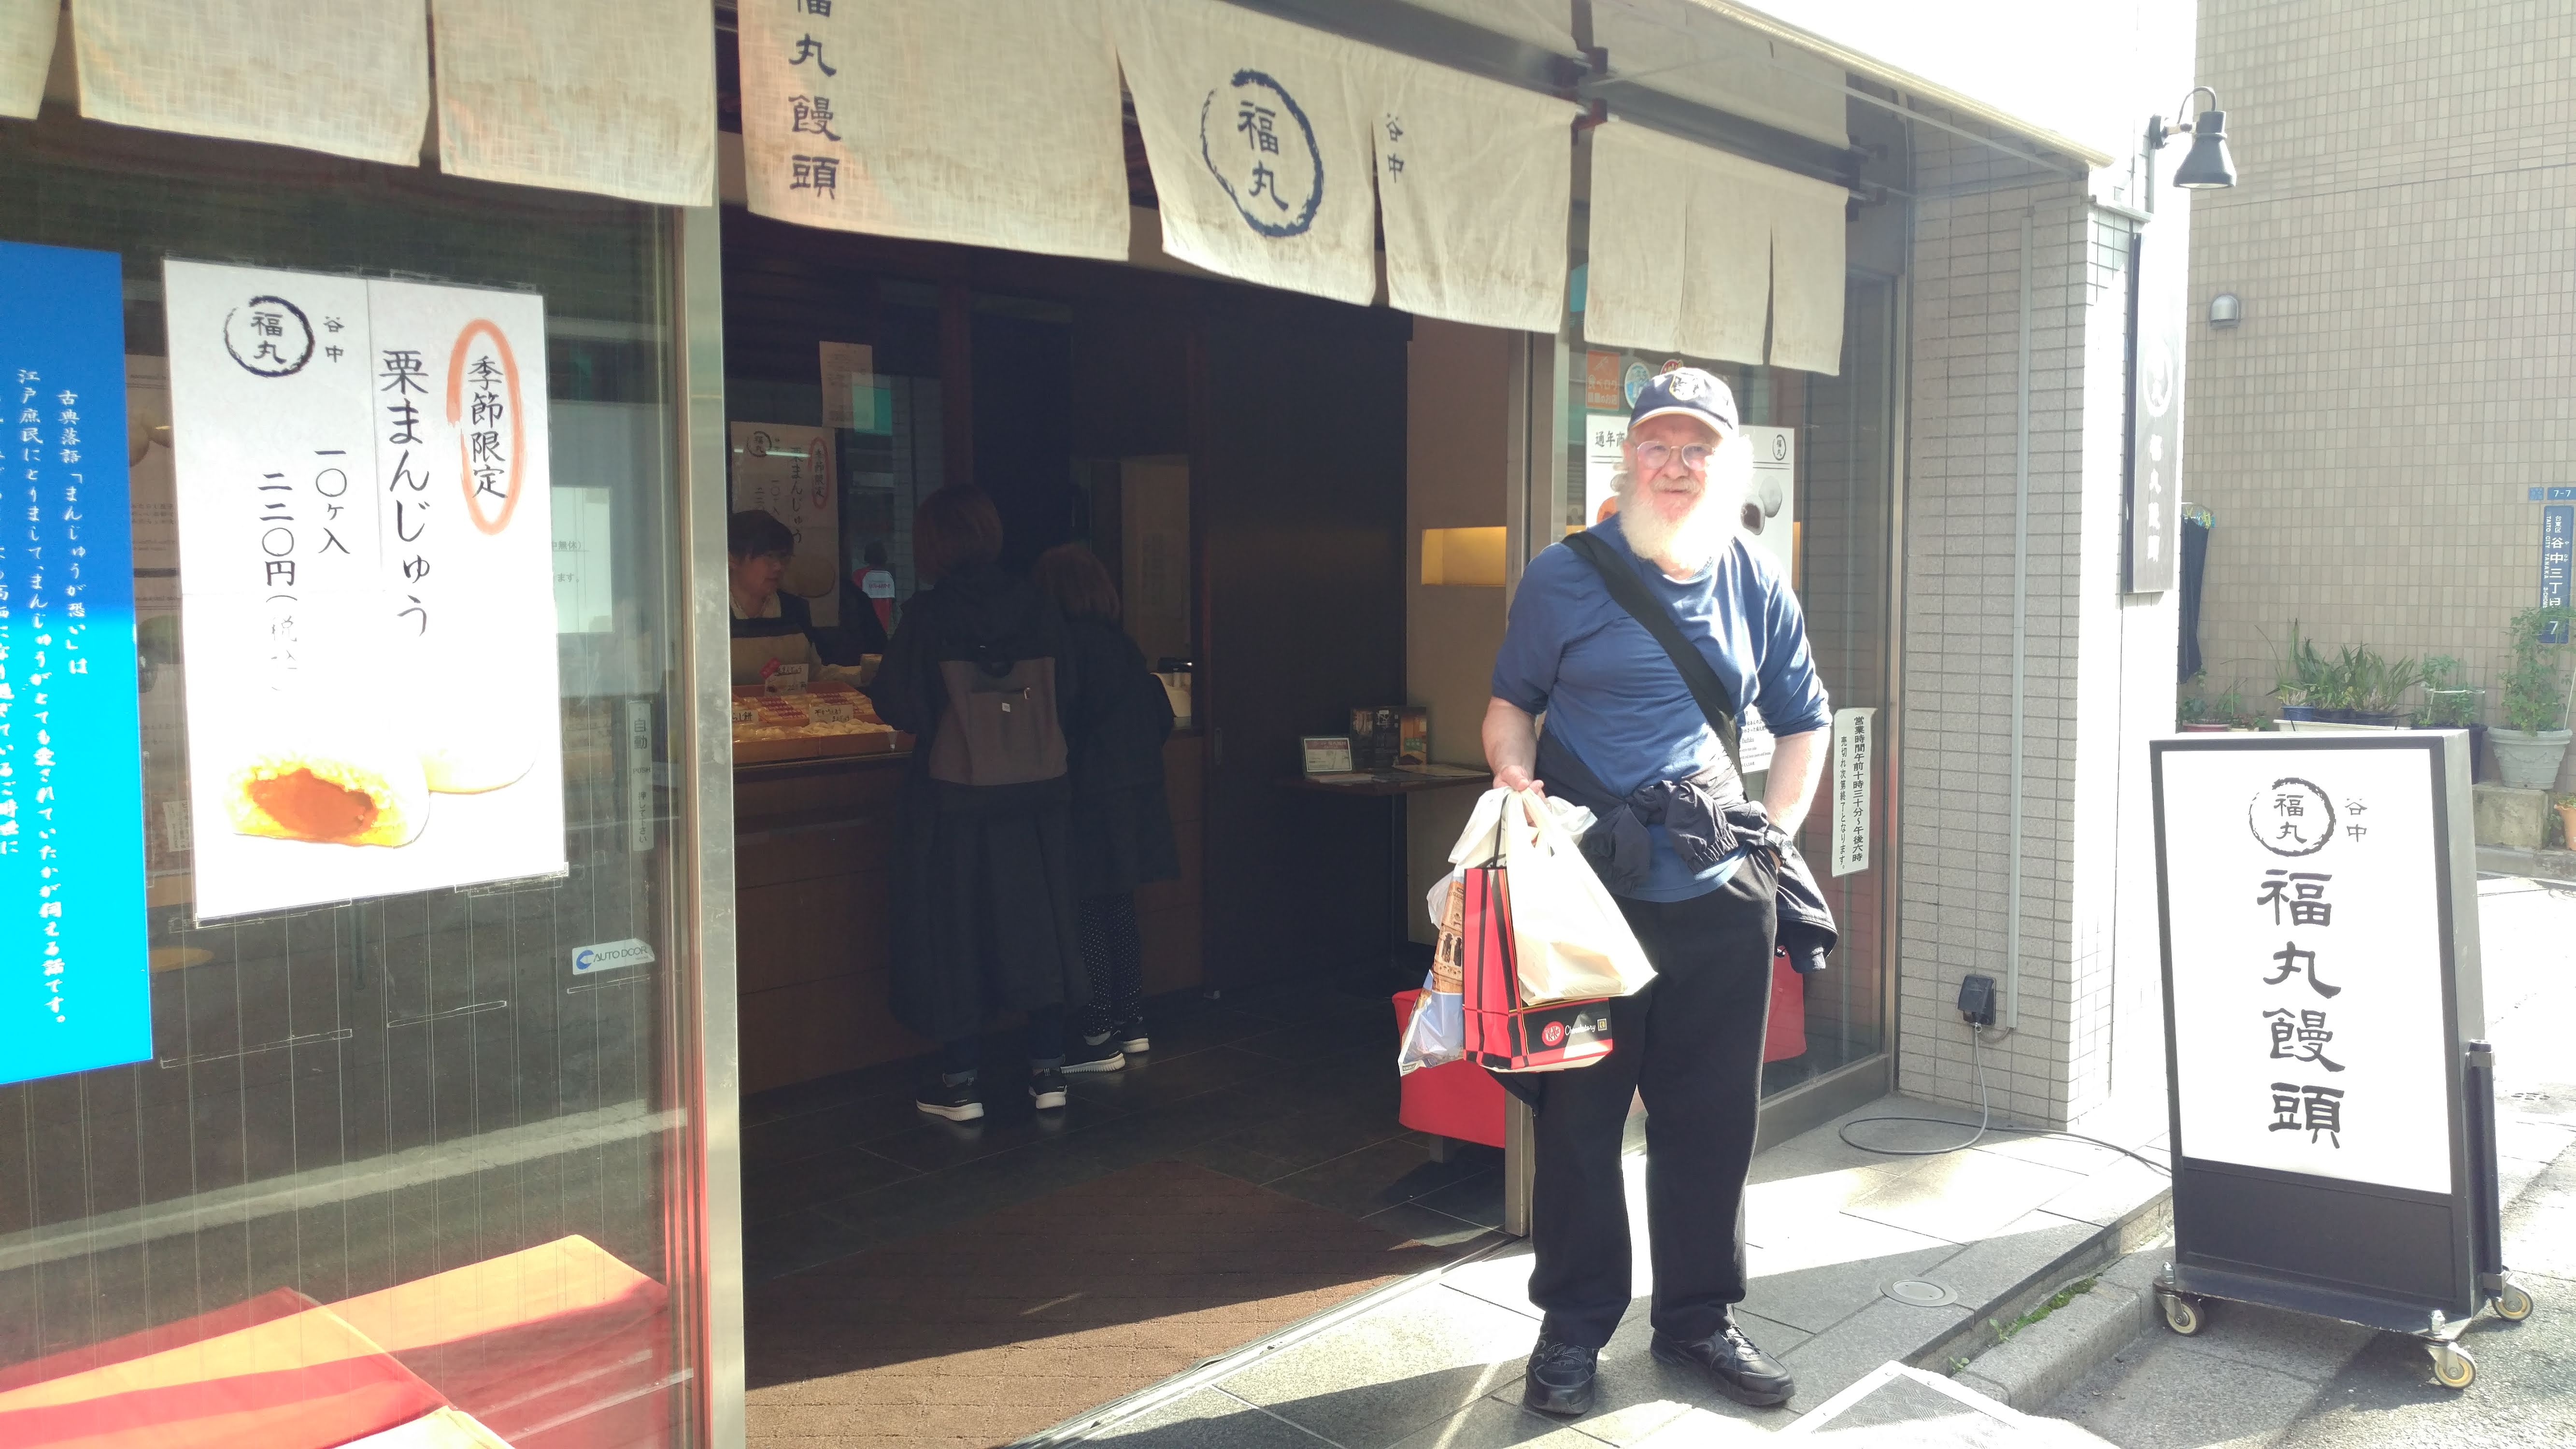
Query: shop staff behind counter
773	628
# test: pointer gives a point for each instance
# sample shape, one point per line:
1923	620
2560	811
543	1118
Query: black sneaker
1559	1380
1087	1056
1741	1371
1130	1036
956	1101
1046	1087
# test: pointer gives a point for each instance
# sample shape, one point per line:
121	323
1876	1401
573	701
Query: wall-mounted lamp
2225	310
2207	166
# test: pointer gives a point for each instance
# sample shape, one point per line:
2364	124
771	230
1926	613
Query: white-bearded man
1627	738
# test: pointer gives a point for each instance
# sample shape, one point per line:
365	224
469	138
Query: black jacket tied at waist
1708	818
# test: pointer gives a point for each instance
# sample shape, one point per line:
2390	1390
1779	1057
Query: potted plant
2197	714
2566	820
2378	685
2532	742
2450	704
2305	679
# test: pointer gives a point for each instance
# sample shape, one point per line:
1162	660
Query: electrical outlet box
1977	1000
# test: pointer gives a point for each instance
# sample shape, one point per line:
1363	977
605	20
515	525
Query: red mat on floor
998	1327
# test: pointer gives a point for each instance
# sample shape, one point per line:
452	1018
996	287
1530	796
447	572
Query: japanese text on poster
75	986
365	539
1855	742
2304	920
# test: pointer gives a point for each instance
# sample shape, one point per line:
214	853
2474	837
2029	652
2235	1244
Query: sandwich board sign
2332	1108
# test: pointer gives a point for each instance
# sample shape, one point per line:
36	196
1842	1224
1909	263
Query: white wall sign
786	470
1775	492
850	387
1855	743
1602	435
2304	945
366	551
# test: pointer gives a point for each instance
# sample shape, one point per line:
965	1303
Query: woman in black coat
1122	826
981	673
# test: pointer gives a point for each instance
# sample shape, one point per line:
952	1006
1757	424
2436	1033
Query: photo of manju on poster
368	601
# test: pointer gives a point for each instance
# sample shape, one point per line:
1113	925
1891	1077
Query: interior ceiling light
2207	166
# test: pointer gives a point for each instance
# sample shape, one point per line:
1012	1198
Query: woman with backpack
979	671
1122	826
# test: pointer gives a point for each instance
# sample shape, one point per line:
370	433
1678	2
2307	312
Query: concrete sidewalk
1992	1229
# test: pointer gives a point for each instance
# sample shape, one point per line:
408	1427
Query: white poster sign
365	542
786	471
1602	435
2304	918
1855	745
1775	493
850	387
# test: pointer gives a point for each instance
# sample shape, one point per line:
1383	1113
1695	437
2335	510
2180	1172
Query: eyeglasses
1653	456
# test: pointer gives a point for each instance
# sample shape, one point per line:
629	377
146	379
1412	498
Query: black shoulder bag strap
1630	593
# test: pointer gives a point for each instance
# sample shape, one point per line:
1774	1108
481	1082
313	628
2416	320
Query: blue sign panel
74	974
2557	536
2554	492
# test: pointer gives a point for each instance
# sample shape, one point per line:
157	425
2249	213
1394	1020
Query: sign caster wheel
2453	1368
2513	1305
2185	1316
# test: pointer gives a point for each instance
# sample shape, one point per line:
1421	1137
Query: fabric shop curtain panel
1465	160
26	49
1257	133
581	95
1695	250
860	119
324	75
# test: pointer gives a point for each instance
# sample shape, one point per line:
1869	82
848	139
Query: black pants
1691	1043
1115	953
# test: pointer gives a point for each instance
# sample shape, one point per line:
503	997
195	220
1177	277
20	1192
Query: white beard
1696	537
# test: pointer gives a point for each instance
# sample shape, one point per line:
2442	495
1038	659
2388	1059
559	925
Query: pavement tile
1207	1419
1886	1329
2028	1246
2111	1192
2148	1400
1501	1279
1834	1269
2271	1338
1493	1424
1783	1206
2540	1235
1702	1428
1376	1379
1965	1196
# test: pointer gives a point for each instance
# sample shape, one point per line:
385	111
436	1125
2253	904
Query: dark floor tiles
1377	1176
1257	1168
1165	1077
945	1199
798	1240
781	1188
827	1129
1478	1199
1412	1222
1009	1124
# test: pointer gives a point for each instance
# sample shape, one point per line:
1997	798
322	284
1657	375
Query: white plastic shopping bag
1569	941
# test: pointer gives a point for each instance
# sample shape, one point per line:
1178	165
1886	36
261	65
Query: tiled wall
2087	647
2400	234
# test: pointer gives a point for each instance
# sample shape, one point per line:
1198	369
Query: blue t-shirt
1613	697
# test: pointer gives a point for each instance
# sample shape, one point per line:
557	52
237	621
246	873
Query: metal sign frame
2386	1257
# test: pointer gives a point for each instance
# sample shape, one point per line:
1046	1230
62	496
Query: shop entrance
1237	459
1253	468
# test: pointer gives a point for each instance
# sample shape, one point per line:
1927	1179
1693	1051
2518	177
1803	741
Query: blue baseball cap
1689	392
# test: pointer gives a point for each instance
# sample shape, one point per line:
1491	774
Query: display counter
813	861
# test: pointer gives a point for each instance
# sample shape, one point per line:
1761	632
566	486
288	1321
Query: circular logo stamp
269	337
1634	382
1259	145
2291	817
1553	1033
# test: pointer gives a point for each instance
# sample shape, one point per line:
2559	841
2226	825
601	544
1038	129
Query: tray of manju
826	718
